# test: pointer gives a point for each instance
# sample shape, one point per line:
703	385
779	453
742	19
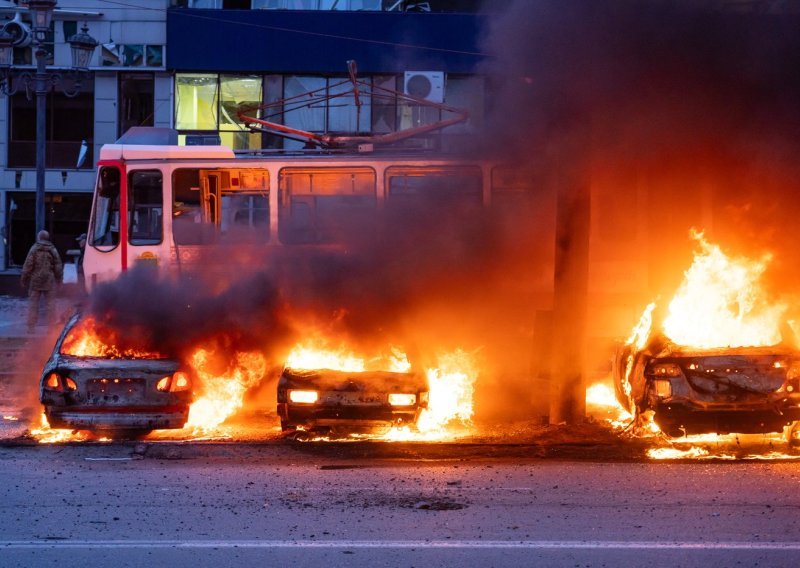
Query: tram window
435	187
146	209
325	205
187	210
245	211
210	204
105	217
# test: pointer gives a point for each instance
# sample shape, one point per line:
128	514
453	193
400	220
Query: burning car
329	400
716	390
88	384
717	359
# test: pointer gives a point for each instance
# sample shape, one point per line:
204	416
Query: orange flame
600	398
222	394
309	356
451	385
725	447
450	403
86	340
451	389
316	355
642	329
47	435
721	303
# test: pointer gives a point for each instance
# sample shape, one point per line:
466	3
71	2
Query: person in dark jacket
41	273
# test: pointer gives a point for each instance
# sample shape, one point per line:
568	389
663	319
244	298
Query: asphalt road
359	504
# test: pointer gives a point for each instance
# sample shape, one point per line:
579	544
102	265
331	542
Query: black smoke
680	113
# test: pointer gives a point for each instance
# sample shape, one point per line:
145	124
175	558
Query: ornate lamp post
82	44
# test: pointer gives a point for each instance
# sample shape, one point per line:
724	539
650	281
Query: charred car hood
102	366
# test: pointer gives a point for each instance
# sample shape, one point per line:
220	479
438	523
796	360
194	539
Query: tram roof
158	144
158	152
142	152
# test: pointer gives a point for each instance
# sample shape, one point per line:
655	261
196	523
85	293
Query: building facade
127	84
189	64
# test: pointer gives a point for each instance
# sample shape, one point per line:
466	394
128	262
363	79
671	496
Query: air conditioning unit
428	85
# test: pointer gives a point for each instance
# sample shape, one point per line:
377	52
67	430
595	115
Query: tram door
211	182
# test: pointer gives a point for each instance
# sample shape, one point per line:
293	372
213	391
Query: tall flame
721	303
86	339
600	397
222	393
317	355
450	404
310	356
642	329
451	389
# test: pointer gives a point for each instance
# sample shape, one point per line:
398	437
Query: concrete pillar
568	383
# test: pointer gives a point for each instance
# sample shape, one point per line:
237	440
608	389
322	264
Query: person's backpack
47	262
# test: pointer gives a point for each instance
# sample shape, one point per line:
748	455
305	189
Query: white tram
181	199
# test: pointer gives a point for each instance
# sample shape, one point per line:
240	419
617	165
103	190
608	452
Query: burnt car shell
109	394
744	390
349	401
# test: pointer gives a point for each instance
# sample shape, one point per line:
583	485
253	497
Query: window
104	234
298	113
196	102
209	103
518	194
210	205
235	93
187	211
343	114
319	205
337	114
69	122
384	110
244	206
467	93
136	97
434	187
132	55
145	196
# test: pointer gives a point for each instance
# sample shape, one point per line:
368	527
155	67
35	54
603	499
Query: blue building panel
258	41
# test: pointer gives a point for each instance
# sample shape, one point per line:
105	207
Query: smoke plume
683	116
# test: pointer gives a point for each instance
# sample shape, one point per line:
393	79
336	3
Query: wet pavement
138	504
14	313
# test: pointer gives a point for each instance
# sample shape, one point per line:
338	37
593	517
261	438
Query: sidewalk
14	315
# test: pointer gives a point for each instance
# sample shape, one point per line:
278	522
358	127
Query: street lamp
83	46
